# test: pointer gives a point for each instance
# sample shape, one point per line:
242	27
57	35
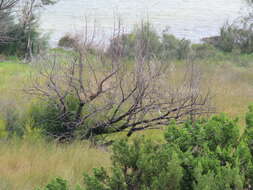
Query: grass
12	80
25	164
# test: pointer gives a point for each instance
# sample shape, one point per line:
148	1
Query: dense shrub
18	44
145	41
234	37
249	128
209	154
47	117
57	184
6	25
67	41
140	165
215	156
173	48
14	125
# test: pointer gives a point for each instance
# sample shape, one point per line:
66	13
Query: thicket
235	37
17	45
165	47
67	41
208	154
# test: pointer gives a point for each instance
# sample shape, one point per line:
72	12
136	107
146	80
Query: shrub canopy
209	154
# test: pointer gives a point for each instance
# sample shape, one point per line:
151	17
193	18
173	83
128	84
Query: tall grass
13	77
25	165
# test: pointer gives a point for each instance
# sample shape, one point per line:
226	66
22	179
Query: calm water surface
191	19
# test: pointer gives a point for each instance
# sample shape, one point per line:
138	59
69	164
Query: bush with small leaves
212	150
67	41
141	165
56	184
235	37
249	128
209	154
146	39
14	124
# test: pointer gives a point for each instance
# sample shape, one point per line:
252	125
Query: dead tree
115	95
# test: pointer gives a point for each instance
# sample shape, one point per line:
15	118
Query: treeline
20	36
235	38
19	22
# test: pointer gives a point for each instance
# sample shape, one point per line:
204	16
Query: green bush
173	48
235	38
140	165
208	154
57	184
18	44
144	41
67	41
227	40
14	125
215	156
249	128
48	117
17	125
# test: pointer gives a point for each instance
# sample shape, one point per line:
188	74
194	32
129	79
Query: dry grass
232	88
25	165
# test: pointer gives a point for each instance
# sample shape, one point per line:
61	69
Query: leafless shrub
116	95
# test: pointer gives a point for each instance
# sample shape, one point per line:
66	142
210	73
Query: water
191	19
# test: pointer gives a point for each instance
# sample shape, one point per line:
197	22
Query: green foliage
249	127
18	44
57	184
235	38
16	125
48	117
144	41
3	131
22	30
249	117
67	41
13	122
218	131
208	154
227	38
173	48
214	153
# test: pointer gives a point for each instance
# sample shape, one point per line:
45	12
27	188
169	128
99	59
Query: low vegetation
26	164
154	97
208	154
